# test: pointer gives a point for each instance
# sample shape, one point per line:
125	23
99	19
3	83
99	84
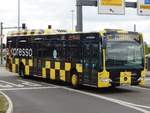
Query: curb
10	106
146	87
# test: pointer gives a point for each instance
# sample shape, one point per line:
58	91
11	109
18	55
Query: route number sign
143	7
111	7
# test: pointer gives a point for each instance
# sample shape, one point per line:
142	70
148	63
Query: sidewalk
148	74
5	72
147	81
2	65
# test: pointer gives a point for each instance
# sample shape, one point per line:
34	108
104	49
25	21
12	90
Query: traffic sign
143	7
147	1
111	7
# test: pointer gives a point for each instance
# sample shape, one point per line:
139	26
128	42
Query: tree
147	48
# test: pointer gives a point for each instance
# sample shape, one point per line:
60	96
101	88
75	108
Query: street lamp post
1	37
134	27
18	14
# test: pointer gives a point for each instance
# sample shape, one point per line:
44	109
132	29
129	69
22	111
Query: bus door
37	66
38	59
91	62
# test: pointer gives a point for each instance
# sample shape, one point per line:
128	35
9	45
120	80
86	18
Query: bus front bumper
107	79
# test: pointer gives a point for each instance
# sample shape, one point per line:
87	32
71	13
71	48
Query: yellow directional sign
145	6
111	2
111	7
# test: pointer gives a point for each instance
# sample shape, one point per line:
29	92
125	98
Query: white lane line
141	106
120	102
30	88
29	83
41	83
17	85
5	86
148	78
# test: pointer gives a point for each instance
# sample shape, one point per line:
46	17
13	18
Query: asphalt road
34	96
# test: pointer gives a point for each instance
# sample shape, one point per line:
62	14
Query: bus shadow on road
111	90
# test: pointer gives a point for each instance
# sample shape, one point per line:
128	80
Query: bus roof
36	32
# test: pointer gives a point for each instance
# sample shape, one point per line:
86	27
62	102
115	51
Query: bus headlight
141	79
106	80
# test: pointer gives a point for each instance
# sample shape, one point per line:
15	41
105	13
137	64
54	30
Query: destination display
123	37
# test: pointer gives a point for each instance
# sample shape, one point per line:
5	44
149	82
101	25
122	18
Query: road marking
140	88
38	86
5	86
17	85
29	88
120	102
141	106
29	83
147	78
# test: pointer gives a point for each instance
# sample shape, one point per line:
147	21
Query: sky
38	14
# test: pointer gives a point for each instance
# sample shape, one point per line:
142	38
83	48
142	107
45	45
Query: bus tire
75	80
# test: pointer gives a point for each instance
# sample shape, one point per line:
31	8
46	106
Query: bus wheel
75	80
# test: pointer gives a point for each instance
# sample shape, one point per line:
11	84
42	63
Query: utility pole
134	27
1	36
72	11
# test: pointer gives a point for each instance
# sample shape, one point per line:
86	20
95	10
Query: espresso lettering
22	52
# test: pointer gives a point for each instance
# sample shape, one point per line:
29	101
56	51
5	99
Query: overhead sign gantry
111	7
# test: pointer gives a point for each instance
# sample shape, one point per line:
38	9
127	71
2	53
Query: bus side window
22	43
95	55
87	52
57	50
75	51
60	47
100	55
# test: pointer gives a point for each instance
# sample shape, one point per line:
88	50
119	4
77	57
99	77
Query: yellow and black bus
100	59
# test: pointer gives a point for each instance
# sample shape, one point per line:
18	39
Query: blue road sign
147	1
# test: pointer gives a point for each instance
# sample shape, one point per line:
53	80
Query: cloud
40	13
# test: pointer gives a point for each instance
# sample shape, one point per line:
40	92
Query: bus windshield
127	54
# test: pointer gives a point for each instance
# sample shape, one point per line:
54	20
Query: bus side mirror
104	41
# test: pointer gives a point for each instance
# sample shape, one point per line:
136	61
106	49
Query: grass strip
3	104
